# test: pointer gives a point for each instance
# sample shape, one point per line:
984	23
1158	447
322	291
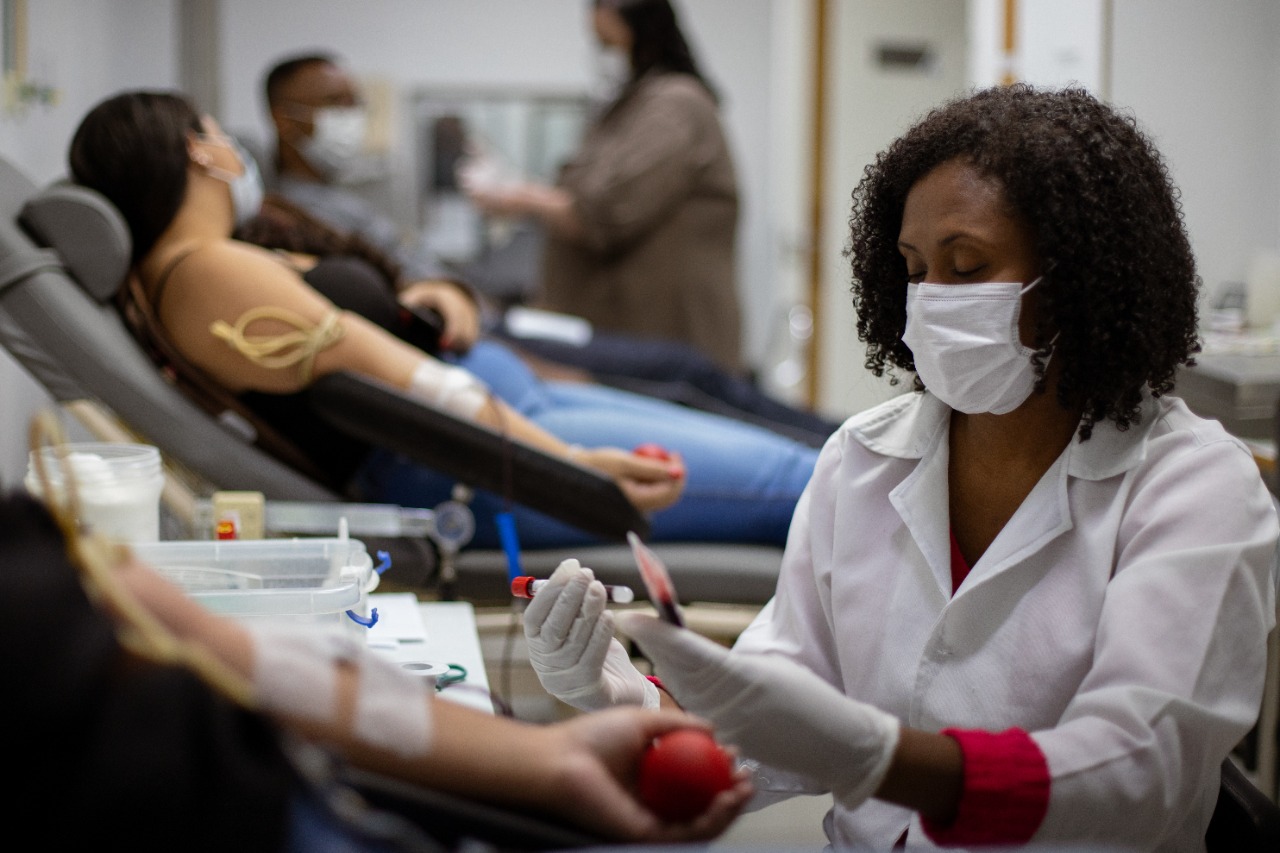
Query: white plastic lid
96	464
259	563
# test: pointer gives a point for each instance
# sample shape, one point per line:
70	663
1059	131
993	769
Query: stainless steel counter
1240	390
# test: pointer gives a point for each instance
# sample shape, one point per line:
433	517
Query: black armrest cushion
1245	819
476	455
452	820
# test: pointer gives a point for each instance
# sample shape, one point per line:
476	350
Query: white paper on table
399	620
526	322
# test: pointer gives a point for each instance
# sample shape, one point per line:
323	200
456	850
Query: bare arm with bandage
253	324
335	692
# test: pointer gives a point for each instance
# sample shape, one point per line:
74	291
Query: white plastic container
118	485
1262	290
304	581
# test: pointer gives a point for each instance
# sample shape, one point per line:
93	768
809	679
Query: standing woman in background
642	221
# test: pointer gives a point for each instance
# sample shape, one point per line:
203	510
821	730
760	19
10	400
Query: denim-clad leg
743	481
676	371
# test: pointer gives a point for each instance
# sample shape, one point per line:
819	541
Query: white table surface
433	632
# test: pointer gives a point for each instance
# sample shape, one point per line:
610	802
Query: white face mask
246	186
964	338
337	140
613	73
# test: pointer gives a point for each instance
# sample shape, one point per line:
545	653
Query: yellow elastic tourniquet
98	558
287	348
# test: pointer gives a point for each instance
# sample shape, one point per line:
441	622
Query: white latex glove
572	647
776	711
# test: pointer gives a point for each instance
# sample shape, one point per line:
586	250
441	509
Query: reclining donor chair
64	254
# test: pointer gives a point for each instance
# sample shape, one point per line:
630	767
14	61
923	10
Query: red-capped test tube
527	587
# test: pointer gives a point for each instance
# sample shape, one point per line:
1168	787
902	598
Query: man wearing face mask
314	104
320	126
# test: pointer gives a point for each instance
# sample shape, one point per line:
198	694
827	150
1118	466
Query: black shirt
105	749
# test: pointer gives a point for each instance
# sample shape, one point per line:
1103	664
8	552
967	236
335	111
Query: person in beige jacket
642	221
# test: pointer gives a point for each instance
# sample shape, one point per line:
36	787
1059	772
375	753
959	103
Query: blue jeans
677	372
315	828
742	484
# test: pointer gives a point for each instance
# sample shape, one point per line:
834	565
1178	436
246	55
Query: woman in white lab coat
1029	600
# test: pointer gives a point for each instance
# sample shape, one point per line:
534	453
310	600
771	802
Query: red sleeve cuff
1006	790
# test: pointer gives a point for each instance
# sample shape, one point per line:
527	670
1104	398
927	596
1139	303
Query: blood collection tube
527	587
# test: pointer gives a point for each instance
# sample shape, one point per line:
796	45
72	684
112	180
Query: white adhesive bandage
393	711
295	673
449	387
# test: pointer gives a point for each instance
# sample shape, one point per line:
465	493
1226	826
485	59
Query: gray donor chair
64	254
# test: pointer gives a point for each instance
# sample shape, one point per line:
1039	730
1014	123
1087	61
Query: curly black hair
1120	282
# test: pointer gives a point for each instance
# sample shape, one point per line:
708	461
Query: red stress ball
681	772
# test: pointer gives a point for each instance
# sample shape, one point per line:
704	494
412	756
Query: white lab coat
1120	617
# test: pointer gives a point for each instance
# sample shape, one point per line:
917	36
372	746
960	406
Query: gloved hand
572	647
777	712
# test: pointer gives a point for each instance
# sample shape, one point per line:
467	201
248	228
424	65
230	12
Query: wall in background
1204	80
889	61
1201	78
86	49
1056	43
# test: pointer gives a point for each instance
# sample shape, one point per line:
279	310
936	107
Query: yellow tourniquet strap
286	349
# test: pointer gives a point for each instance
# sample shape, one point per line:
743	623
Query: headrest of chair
86	231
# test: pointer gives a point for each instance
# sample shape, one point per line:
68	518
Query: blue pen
510	543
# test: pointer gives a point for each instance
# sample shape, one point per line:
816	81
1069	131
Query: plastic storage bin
313	581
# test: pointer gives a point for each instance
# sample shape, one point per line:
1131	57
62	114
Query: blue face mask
247	191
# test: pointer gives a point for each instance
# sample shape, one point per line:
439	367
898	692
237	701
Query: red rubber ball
652	451
681	772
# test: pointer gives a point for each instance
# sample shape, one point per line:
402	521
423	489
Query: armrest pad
454	820
1245	818
476	455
